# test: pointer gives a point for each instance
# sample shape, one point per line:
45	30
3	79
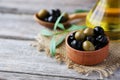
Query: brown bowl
48	24
66	24
87	57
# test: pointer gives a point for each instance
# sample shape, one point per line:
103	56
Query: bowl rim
85	52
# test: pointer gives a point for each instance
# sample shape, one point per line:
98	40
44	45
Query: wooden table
20	61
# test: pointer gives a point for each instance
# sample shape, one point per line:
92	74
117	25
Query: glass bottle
106	13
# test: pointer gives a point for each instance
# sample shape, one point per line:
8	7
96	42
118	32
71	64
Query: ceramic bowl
87	57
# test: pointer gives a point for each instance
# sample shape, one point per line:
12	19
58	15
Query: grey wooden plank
32	6
18	76
23	26
19	56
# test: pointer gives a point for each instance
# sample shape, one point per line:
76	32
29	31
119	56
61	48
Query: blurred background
32	6
19	14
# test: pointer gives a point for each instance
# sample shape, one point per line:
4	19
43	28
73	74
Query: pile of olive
88	39
51	16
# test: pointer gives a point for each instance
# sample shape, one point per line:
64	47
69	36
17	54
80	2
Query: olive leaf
80	11
61	39
61	26
53	46
53	43
76	27
57	21
46	32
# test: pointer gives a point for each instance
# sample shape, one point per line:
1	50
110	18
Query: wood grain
19	56
21	76
23	26
31	6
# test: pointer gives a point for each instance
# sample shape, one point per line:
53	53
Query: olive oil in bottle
106	14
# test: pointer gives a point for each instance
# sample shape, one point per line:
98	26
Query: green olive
42	13
88	32
79	35
88	46
66	16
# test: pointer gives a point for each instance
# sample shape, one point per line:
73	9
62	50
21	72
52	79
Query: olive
74	44
52	19
102	39
79	35
72	34
52	12
43	13
45	19
90	38
88	46
88	32
66	15
56	12
64	18
98	30
71	38
79	45
99	45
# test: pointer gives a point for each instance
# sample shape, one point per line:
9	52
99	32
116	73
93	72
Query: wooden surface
20	61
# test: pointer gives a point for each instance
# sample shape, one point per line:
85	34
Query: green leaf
60	40
75	27
57	21
53	46
80	11
61	26
46	32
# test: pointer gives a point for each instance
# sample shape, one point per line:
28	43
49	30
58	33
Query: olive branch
53	43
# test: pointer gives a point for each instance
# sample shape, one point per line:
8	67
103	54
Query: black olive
98	46
73	34
71	38
98	30
45	19
90	38
52	19
102	39
74	44
55	13
52	12
58	13
79	45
